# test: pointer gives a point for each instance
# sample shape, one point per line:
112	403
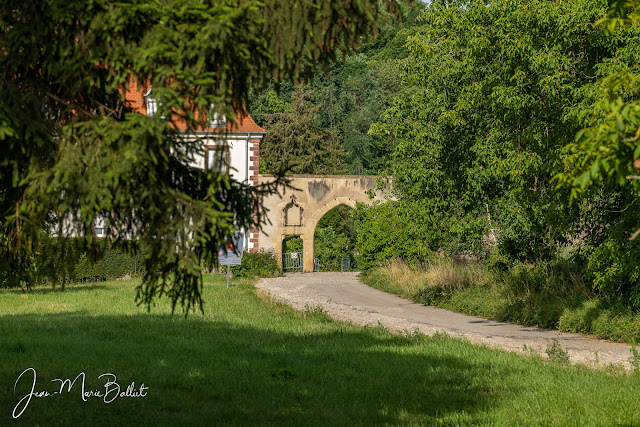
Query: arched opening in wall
292	253
335	240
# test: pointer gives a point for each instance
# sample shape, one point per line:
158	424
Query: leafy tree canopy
609	146
484	129
71	149
491	95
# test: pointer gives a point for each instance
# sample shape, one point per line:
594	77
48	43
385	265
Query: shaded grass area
551	297
251	360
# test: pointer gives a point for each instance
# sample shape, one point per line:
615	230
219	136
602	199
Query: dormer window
218	120
152	106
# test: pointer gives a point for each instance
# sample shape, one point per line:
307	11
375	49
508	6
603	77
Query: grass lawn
250	360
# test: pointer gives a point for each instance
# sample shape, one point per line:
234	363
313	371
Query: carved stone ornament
293	212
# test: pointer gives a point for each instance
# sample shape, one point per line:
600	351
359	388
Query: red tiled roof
134	98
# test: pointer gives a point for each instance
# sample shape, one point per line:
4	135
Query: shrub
335	238
331	247
257	264
558	278
424	284
535	294
526	279
497	262
396	277
443	277
112	264
538	294
556	353
389	230
616	322
101	262
292	244
614	270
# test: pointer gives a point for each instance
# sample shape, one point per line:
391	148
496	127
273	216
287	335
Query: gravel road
345	297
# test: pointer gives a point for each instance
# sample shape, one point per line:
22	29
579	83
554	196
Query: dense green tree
330	247
609	147
402	229
352	98
274	99
602	163
484	129
491	97
71	150
353	93
294	143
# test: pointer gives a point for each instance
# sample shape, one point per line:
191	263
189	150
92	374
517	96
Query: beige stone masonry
297	210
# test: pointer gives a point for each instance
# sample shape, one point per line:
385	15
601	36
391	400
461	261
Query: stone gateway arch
296	212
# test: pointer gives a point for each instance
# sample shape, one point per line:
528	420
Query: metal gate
292	261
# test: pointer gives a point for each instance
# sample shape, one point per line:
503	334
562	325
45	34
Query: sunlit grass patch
399	278
252	360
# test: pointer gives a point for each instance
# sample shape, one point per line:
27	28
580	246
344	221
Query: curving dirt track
345	297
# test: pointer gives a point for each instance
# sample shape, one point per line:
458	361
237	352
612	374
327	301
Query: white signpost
231	253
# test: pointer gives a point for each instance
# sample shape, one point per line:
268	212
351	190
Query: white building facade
234	147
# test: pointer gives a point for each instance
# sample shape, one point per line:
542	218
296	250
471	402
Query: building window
99	226
152	107
217	158
218	120
150	103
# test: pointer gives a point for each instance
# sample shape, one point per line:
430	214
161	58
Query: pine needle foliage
295	143
72	149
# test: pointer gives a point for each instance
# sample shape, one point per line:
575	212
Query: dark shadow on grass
200	370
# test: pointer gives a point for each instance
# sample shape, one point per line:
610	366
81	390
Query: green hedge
331	247
72	261
394	230
113	264
108	263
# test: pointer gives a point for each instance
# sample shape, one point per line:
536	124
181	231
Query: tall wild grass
399	278
549	295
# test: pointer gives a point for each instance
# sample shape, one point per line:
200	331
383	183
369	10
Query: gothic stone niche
293	212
